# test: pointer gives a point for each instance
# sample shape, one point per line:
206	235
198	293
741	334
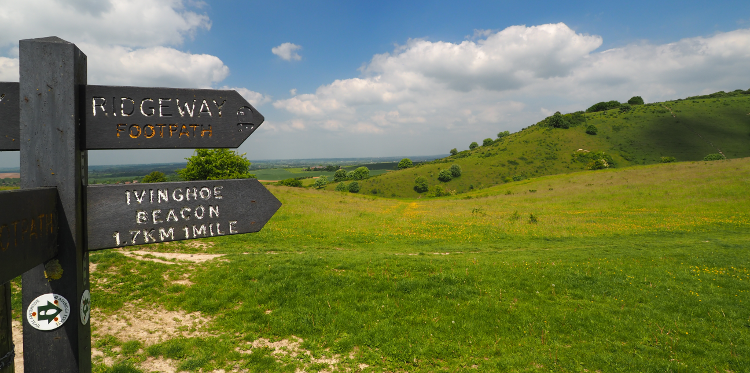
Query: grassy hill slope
687	130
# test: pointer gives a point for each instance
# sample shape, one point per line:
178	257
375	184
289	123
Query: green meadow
641	268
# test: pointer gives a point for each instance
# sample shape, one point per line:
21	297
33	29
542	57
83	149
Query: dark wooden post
6	337
52	79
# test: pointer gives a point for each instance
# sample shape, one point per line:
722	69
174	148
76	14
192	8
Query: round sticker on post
85	307
48	311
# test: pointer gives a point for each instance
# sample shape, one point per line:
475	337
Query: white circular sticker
85	307
48	311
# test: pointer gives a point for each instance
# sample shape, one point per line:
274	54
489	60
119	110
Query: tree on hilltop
636	100
216	164
405	163
473	145
155	177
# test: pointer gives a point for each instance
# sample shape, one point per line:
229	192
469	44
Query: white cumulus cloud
128	42
254	98
287	51
132	23
512	78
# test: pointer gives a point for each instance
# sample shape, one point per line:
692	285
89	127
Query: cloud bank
512	78
128	42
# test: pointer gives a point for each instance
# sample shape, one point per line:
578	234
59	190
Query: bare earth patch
17	330
291	347
195	258
149	326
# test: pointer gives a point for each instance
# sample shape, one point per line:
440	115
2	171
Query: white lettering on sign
148	107
156	196
198	217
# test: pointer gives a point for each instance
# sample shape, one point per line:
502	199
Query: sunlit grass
638	269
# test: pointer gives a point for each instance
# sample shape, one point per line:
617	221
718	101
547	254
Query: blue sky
393	78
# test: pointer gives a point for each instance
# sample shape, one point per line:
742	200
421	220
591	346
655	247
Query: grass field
637	269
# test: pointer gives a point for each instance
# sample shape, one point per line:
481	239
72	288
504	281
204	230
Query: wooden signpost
48	227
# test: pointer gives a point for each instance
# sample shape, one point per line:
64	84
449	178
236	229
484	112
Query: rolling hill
686	129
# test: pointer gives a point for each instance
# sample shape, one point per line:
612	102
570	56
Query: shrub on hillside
353	187
591	129
420	184
518	177
473	145
590	158
291	182
321	182
361	173
668	159
557	121
487	142
455	170
340	175
624	108
454	151
445	175
603	106
405	163
500	135
341	187
714	157
438	191
636	100
597	164
350	175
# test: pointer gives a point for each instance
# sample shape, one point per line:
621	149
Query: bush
597	164
438	191
445	175
603	106
420	184
473	145
155	177
340	175
503	134
361	173
350	175
341	187
454	151
714	157
624	108
405	163
533	219
557	121
353	187
455	170
636	100
517	178
321	182
594	160
487	142
591	129
216	164
291	182
668	159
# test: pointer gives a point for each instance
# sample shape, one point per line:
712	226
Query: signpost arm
52	77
